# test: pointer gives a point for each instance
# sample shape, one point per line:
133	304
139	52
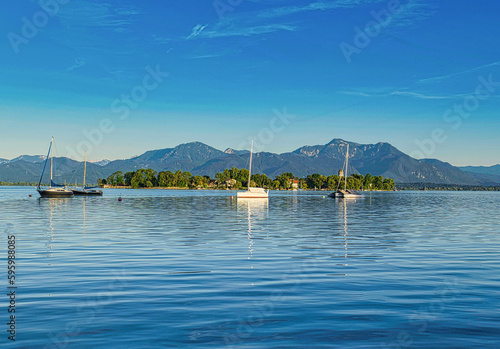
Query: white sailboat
345	193
54	190
86	190
252	192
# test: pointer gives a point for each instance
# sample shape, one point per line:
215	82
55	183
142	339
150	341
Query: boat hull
346	194
80	192
253	193
55	193
251	196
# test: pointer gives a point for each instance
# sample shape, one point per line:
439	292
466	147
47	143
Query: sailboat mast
84	169
346	166
250	165
51	156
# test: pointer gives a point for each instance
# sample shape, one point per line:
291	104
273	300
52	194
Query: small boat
252	192
55	190
87	191
345	193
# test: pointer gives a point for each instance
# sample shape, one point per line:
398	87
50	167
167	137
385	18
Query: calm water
198	269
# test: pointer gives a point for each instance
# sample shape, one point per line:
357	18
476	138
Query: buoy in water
120	198
30	195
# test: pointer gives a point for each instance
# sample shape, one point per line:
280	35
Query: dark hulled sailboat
54	190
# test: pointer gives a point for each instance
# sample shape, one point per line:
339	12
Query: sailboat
252	192
54	190
86	190
345	193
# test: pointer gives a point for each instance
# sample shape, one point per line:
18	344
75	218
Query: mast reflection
343	215
345	232
256	210
52	204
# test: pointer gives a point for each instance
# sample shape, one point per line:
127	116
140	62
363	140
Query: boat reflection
344	205
53	205
256	210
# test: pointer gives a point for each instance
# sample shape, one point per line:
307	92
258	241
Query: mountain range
200	159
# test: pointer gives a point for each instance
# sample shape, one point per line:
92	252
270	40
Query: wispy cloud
91	14
442	78
420	95
248	31
410	94
210	55
412	12
79	62
314	6
249	24
163	40
196	31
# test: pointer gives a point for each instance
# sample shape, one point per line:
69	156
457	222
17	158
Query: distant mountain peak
30	158
102	162
235	152
337	141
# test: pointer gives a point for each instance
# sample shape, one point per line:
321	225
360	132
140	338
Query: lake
200	269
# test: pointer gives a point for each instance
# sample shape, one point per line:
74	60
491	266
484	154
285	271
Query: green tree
354	182
302	183
316	181
285	180
261	180
144	178
116	178
389	184
378	183
367	183
166	179
221	178
197	181
332	181
240	175
128	177
183	179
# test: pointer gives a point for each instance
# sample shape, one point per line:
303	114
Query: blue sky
123	77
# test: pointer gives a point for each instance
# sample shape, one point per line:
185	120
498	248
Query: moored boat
86	191
252	192
345	193
54	190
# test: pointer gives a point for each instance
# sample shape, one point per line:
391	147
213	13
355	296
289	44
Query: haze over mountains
200	159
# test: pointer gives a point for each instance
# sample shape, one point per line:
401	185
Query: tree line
235	178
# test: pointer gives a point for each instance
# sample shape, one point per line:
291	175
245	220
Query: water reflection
343	209
344	205
256	210
84	221
53	204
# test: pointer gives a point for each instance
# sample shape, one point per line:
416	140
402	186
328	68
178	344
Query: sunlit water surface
200	269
